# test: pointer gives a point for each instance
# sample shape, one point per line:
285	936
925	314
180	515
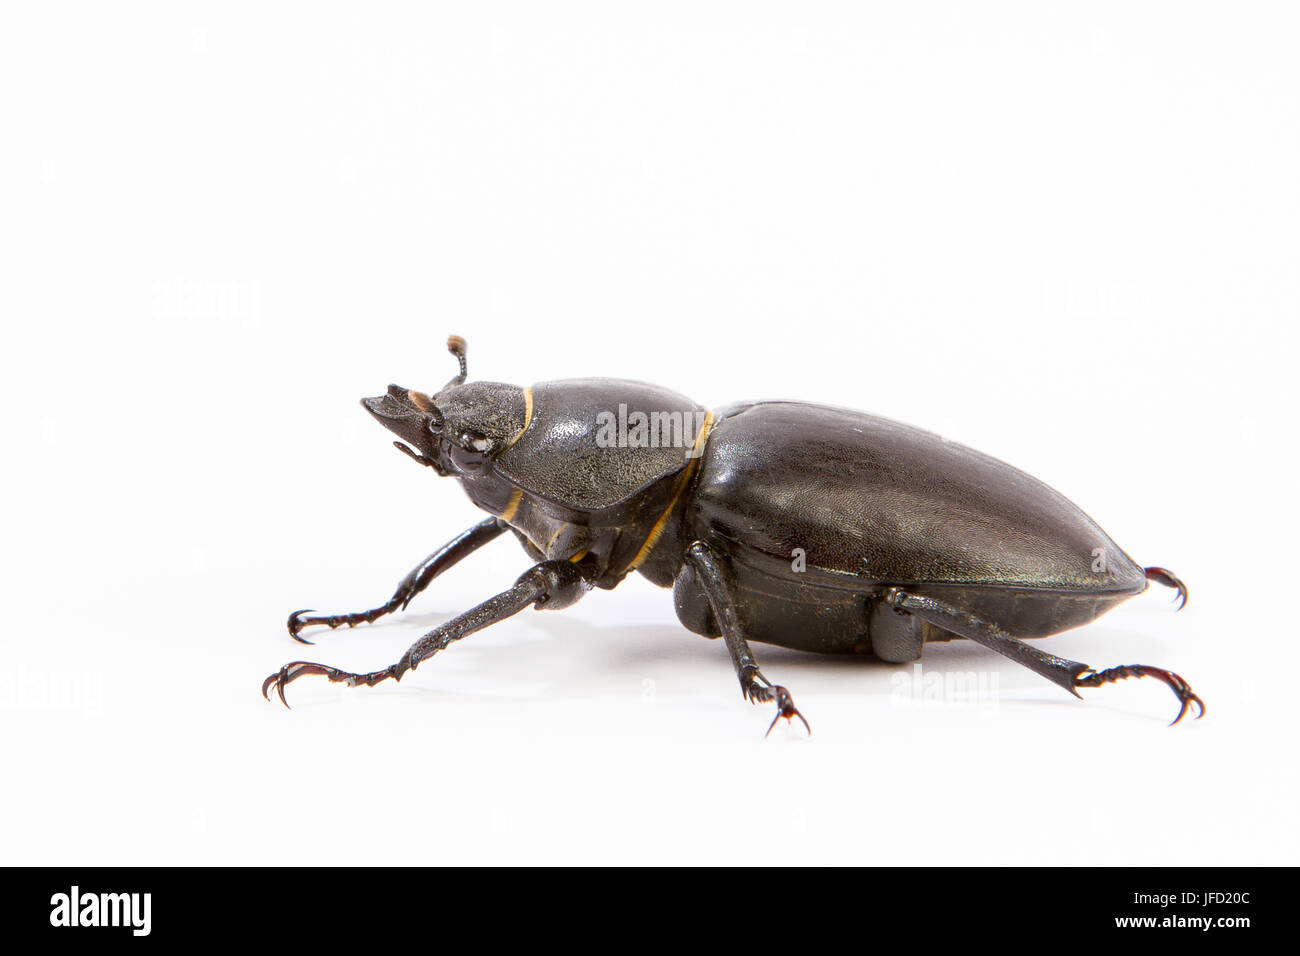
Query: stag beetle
898	537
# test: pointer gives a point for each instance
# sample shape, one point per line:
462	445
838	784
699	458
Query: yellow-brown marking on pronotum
579	556
658	529
512	505
528	416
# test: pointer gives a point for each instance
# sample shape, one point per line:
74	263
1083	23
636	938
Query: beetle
899	537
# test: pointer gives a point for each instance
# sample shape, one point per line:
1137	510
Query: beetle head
459	430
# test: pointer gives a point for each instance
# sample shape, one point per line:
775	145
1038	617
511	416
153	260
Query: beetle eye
470	457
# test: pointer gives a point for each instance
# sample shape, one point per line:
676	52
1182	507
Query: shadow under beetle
899	536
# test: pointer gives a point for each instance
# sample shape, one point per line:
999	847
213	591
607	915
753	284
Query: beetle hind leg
1068	674
1170	580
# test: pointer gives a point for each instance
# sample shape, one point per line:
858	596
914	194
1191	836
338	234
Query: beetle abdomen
878	501
1025	612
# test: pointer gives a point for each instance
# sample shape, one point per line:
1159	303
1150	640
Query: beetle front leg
551	584
419	578
756	688
1065	673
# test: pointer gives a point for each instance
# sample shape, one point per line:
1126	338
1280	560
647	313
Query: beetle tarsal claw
296	624
1182	690
290	672
785	708
1170	580
298	619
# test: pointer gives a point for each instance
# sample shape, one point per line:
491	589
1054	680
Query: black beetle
787	523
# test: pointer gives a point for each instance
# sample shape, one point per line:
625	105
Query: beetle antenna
425	404
457	347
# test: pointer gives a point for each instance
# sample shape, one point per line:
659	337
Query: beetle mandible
903	537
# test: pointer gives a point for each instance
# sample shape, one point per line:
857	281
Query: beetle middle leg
1065	673
755	687
464	544
549	585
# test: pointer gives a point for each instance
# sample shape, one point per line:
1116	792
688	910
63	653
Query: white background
1066	236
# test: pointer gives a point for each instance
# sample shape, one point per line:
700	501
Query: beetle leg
1170	580
1065	673
421	575
753	685
551	584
